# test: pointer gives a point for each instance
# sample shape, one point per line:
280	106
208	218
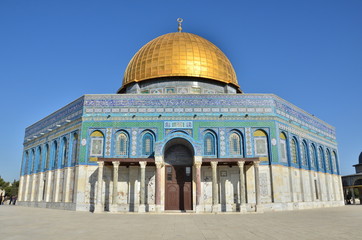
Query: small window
75	146
47	158
293	151
55	154
328	160
304	154
260	144
40	159
321	159
209	144
334	161
97	140
235	144
147	144
313	157
26	162
283	147
122	144
32	161
64	152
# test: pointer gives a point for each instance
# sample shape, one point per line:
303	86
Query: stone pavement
37	223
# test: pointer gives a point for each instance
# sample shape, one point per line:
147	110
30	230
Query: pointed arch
304	155
334	162
26	163
46	156
293	151
313	156
283	147
38	158
121	143
54	152
236	144
321	159
97	144
209	143
64	152
75	147
147	144
261	146
32	161
328	160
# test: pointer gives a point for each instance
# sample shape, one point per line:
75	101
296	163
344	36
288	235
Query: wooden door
178	188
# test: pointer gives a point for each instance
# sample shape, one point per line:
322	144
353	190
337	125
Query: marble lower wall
281	188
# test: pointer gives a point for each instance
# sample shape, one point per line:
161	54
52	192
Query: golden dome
179	54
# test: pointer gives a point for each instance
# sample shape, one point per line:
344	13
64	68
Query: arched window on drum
122	144
235	144
209	144
261	145
97	144
147	144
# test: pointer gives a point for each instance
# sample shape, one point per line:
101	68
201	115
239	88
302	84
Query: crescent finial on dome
179	20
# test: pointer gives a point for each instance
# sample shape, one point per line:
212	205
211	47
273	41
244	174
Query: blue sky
307	52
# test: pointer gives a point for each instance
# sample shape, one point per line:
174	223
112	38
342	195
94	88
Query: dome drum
179	85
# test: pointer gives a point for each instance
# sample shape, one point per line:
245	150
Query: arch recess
160	146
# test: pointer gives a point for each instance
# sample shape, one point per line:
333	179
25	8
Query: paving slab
18	223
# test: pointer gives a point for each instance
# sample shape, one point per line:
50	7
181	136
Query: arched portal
178	157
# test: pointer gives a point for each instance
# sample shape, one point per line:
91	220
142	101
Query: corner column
115	186
99	206
142	206
21	186
258	207
26	194
242	186
215	193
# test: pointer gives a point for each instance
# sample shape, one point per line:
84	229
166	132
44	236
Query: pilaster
142	206
197	165
242	186
158	188
115	186
215	193
99	206
258	207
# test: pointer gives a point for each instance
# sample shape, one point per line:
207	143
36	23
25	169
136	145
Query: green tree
10	189
3	184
